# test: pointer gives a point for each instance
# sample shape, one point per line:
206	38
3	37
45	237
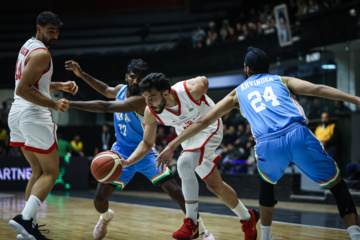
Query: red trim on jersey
179	103
201	155
36	84
191	150
202	99
157	116
16	144
215	162
38	150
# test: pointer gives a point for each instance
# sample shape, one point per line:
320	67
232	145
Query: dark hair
138	66
155	80
48	17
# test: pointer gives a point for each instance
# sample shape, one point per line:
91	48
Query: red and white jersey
42	85
185	113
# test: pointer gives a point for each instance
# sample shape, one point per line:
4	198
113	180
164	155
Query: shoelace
47	231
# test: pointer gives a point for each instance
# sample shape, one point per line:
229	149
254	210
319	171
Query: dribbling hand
164	159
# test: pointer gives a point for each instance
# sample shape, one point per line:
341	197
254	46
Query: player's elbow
20	91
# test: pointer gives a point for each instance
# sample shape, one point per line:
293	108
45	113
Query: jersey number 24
257	101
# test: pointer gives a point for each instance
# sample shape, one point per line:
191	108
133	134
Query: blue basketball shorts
146	166
301	147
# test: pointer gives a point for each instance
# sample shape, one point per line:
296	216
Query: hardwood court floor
73	218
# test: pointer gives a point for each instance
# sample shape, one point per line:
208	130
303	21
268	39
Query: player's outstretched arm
301	87
99	86
148	141
135	103
216	112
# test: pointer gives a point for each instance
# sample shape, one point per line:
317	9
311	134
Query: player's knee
186	167
267	195
343	198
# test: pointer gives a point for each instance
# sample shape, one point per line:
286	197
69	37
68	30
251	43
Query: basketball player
179	107
30	122
278	124
128	110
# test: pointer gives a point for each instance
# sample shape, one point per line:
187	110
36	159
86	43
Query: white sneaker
207	236
100	229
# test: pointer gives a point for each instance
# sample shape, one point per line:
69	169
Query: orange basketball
106	167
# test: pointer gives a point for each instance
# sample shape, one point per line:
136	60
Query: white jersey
190	110
42	85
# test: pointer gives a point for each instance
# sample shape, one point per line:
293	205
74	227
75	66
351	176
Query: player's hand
71	87
61	105
125	163
358	102
164	159
71	65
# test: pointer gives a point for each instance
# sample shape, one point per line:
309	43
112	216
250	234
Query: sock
106	216
192	211
33	217
354	232
31	207
265	232
242	211
202	228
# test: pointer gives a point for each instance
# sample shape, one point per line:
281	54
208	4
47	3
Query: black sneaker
24	227
38	234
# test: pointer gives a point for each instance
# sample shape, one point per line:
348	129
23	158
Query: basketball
106	167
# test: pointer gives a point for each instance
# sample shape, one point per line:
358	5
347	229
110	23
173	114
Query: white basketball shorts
32	129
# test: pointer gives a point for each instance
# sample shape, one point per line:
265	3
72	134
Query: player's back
268	105
42	85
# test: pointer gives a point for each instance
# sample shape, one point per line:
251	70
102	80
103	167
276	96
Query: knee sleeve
266	193
187	163
343	199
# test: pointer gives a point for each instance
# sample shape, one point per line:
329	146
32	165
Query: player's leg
322	169
173	189
102	194
272	160
49	165
35	175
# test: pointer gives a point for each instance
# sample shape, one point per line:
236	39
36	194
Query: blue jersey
267	104
128	127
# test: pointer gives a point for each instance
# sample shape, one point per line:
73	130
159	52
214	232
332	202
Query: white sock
33	217
265	232
31	207
241	211
106	216
192	211
354	232
202	227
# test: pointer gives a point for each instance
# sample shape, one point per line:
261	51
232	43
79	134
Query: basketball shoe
249	226
100	229
188	231
24	227
37	233
206	236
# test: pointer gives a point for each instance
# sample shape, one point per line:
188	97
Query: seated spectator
105	139
225	30
160	136
230	135
327	134
65	148
171	135
4	140
340	108
353	175
78	144
233	160
196	32
212	34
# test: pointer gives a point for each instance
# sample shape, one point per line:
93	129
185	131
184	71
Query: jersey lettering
18	70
